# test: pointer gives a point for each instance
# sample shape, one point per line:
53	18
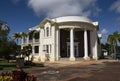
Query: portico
73	43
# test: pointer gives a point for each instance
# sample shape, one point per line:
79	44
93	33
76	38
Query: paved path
104	70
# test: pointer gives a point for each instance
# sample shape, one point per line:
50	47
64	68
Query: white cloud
104	31
116	6
56	8
104	40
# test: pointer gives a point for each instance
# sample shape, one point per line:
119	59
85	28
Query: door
75	49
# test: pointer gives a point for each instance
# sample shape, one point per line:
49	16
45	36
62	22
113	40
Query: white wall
94	47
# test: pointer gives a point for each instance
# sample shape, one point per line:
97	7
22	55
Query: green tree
17	37
7	45
31	34
10	49
23	36
26	51
4	31
113	40
106	47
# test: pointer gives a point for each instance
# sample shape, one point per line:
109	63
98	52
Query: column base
72	58
86	58
52	59
42	59
57	58
95	58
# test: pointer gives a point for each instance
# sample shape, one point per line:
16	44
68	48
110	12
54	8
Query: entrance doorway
76	53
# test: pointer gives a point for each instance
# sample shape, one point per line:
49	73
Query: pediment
46	20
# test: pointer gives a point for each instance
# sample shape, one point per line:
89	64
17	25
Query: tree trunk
114	51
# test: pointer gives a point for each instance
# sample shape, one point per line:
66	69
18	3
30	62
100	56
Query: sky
23	14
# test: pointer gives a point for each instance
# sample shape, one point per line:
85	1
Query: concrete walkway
77	71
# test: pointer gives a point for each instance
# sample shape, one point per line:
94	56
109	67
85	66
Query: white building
64	37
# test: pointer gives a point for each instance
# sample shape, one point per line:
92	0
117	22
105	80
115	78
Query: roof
67	19
71	18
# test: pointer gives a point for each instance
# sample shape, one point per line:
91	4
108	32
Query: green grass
7	65
12	65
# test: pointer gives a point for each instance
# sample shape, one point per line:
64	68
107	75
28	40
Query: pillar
57	44
72	58
86	57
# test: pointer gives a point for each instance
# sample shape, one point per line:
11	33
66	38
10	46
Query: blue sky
23	14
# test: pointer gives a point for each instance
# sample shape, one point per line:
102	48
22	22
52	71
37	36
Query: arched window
47	31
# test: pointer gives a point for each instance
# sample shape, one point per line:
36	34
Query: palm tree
23	36
17	36
113	40
4	31
31	34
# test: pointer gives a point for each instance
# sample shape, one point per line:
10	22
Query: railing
36	40
30	41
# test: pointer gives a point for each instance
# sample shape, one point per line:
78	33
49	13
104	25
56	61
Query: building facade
64	37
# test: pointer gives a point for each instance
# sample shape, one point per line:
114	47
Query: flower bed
17	75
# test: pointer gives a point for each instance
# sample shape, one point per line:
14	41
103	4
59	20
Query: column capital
72	28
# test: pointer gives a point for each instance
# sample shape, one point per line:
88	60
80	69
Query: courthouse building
72	37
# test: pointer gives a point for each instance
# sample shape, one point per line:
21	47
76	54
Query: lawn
7	65
12	65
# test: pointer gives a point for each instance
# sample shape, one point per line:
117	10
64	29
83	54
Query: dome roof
71	19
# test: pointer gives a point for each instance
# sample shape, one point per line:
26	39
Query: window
36	49
47	48
37	37
44	48
30	39
47	31
50	48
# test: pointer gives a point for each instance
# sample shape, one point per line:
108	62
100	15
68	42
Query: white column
57	44
42	46
85	46
72	58
53	45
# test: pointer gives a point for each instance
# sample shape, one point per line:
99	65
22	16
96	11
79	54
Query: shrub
17	75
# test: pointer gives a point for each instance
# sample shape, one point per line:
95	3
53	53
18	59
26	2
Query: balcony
36	40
